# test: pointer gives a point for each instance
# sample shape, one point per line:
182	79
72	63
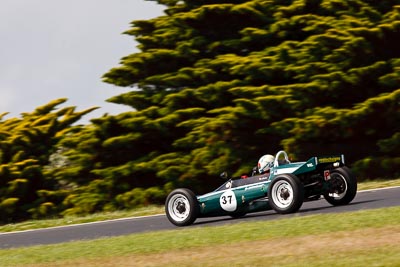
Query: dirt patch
282	250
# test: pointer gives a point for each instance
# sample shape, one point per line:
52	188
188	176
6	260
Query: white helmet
265	163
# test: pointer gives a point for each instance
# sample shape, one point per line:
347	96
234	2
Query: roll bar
279	154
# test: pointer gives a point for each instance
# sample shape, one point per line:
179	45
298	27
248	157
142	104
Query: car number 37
228	201
284	190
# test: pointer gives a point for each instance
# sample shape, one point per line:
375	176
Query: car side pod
182	207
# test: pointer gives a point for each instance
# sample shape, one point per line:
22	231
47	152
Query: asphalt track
370	199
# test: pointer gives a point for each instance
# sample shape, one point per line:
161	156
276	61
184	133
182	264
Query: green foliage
141	197
215	85
8	207
26	146
308	76
83	203
371	167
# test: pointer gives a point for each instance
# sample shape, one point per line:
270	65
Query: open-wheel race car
283	189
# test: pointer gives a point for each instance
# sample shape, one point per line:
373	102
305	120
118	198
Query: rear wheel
181	207
286	194
342	187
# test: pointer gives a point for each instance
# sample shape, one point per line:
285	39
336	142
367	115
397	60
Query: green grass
198	238
378	184
151	210
36	224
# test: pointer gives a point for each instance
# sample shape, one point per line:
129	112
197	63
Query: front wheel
181	207
286	194
342	187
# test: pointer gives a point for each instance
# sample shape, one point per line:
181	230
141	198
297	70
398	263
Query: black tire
286	194
181	207
342	187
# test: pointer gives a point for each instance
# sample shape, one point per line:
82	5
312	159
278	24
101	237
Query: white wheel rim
179	207
282	194
337	195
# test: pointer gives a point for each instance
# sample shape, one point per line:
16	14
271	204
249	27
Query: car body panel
237	196
283	189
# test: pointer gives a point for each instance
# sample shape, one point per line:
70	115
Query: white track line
378	189
80	224
143	217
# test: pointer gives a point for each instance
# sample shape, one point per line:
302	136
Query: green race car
283	189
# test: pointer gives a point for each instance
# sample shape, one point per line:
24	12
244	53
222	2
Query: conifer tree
26	146
216	84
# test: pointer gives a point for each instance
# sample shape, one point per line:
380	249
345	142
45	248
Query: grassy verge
36	224
151	210
363	238
378	184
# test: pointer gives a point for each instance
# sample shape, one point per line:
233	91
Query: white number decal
228	201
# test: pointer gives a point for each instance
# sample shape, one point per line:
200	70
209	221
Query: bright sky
54	49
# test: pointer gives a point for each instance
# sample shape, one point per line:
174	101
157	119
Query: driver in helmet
265	163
